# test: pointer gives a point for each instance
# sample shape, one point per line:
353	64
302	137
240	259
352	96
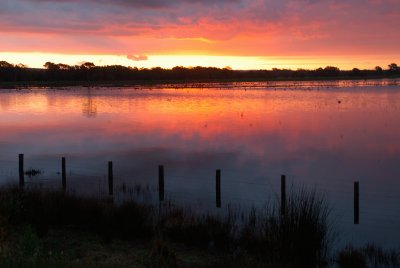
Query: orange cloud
137	58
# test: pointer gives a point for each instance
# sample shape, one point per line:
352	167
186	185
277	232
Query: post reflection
89	106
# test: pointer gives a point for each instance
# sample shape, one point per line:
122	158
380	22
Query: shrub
369	255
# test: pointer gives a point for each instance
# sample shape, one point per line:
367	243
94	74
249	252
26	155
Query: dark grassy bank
177	83
47	229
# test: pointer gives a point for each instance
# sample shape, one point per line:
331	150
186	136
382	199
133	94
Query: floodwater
321	135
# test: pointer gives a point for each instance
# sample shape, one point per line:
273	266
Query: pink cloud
137	58
240	27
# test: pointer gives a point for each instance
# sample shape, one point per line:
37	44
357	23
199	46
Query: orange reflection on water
327	137
203	114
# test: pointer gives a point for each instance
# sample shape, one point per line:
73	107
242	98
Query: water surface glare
325	138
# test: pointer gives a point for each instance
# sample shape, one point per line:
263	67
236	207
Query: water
324	135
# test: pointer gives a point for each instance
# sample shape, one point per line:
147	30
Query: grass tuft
369	255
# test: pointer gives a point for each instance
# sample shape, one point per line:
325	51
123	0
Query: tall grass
300	237
48	209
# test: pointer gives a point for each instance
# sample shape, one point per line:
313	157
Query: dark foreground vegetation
89	73
48	229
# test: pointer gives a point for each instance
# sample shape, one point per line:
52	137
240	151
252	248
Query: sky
242	34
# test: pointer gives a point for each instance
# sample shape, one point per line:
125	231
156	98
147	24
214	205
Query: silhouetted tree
355	71
393	67
89	72
7	71
378	69
21	66
331	69
62	66
87	65
4	64
51	66
328	71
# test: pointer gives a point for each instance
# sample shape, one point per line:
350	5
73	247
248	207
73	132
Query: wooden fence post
63	174
356	202
283	194
110	178
21	171
218	188
161	183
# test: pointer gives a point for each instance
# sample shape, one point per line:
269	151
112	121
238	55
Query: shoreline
199	83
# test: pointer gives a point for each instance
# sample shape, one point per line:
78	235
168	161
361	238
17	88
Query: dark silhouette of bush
89	73
300	236
369	255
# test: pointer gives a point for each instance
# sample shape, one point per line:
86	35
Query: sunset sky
242	34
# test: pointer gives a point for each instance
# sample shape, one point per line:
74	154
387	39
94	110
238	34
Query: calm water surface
324	137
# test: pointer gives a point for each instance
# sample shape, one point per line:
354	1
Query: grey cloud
140	3
185	18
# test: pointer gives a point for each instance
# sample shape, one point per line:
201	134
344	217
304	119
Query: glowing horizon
37	60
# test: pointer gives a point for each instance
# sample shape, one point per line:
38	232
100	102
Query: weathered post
161	183
218	188
283	194
356	202
110	178
21	171
63	174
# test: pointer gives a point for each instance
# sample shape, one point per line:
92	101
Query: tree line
91	73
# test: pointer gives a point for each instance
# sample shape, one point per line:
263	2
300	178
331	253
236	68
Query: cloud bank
235	27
